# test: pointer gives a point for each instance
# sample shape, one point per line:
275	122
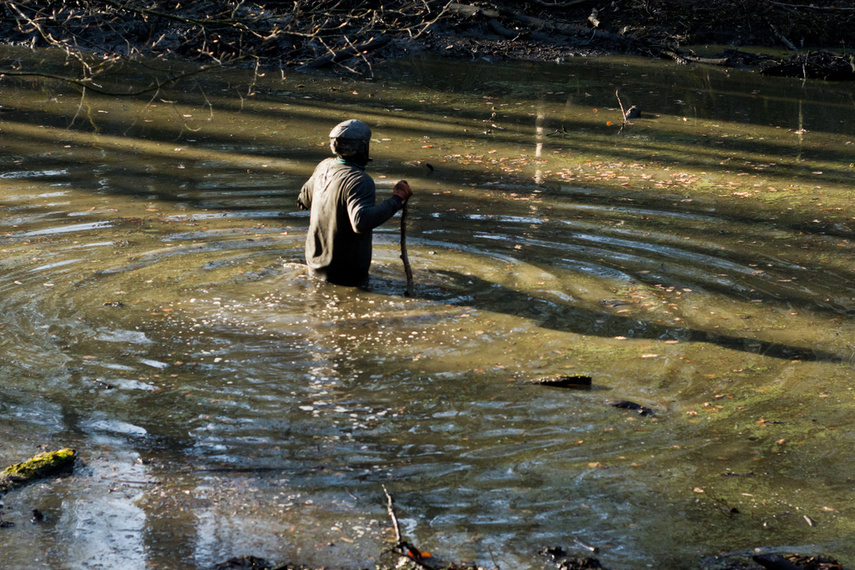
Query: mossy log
42	465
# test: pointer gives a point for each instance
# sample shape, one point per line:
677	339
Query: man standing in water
341	198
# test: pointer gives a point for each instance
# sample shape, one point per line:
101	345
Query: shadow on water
587	322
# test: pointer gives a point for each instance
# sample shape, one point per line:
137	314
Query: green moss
41	465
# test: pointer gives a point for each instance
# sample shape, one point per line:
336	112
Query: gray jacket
341	198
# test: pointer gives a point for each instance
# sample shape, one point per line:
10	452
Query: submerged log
42	465
632	406
565	381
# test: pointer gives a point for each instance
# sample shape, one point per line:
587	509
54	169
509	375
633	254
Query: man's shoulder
325	164
350	173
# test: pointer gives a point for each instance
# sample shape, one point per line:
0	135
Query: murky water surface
157	317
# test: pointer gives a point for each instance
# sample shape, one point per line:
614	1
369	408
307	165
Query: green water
158	318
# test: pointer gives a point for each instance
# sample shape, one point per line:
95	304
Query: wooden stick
407	269
622	111
391	509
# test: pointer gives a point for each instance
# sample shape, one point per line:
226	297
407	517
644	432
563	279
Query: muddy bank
349	37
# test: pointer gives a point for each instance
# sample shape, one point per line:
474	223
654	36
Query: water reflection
158	317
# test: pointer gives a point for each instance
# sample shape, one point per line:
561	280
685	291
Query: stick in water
404	258
622	111
391	510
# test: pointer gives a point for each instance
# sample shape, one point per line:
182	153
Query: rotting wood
38	467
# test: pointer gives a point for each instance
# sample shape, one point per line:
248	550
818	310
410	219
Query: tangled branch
96	34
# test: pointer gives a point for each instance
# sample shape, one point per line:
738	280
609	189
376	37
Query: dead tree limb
347	53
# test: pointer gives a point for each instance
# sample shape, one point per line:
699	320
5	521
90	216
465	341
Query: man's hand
402	191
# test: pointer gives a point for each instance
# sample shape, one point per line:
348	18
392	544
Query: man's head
349	140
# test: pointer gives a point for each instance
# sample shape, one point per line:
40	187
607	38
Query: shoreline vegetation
350	36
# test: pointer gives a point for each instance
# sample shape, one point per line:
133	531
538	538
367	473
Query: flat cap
352	129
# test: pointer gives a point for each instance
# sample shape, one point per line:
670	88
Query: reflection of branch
94	87
79	108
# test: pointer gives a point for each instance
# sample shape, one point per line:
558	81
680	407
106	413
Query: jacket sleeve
304	200
364	214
